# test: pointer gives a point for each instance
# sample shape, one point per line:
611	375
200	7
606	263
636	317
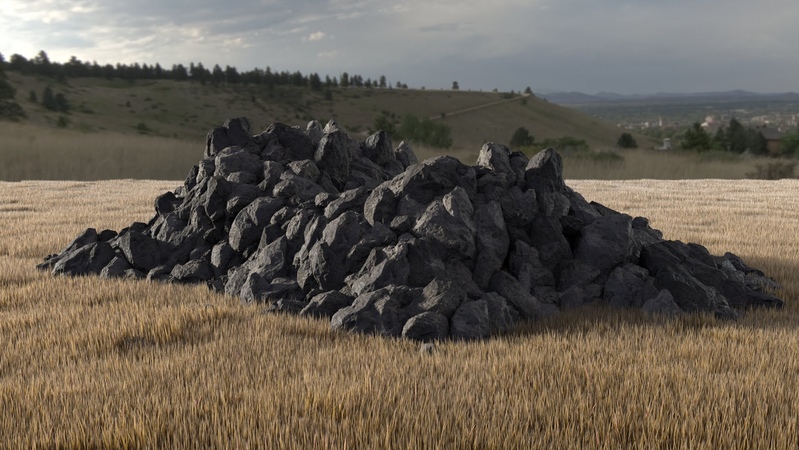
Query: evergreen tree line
75	68
735	138
9	109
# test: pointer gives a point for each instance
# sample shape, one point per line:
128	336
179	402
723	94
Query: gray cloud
615	45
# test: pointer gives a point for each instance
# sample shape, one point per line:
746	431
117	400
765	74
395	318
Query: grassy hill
186	110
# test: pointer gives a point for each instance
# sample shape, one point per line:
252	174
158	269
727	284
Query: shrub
521	138
626	140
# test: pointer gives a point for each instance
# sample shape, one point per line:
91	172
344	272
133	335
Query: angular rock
471	321
142	251
606	242
91	258
377	312
662	303
544	172
442	296
326	304
249	223
426	327
333	156
377	148
492	242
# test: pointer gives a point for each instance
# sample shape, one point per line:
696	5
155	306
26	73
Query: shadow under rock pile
360	232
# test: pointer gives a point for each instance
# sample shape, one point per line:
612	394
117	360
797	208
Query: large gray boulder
250	222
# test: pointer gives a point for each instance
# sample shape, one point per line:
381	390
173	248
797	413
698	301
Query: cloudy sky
624	46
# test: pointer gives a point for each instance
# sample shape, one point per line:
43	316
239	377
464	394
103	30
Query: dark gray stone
286	306
296	189
305	168
300	146
142	251
544	172
606	242
405	155
690	294
249	223
576	273
89	259
383	267
520	298
471	321
377	148
448	222
628	286
380	205
662	303
328	257
547	236
326	304
500	315
115	268
234	160
426	327
194	271
496	157
518	208
334	156
492	242
377	312
442	296
352	199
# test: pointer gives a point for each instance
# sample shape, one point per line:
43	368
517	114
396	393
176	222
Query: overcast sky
623	46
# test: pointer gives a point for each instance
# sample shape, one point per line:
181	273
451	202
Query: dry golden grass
31	152
672	165
86	362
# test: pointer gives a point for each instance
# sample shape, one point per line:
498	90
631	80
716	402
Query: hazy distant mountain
580	98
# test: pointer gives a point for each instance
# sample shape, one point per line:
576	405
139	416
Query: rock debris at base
316	223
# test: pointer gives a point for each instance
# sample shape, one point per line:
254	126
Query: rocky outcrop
315	223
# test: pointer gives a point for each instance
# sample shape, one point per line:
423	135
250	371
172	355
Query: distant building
773	140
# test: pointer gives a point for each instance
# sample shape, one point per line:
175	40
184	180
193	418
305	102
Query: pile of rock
319	224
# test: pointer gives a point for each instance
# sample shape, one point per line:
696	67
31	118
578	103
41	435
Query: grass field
90	363
31	152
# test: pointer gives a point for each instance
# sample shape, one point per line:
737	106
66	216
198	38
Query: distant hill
579	98
187	110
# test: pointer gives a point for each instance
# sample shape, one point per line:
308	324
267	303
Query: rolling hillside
186	111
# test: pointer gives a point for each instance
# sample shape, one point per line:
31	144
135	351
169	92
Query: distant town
664	115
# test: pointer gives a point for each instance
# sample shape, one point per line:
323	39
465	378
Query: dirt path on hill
475	108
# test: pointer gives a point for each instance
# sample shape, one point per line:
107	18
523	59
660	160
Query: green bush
626	140
521	138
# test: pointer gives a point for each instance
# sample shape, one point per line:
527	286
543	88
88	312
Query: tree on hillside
790	144
384	123
382	81
736	137
217	75
521	138
48	99
696	138
528	91
455	86
626	140
9	109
